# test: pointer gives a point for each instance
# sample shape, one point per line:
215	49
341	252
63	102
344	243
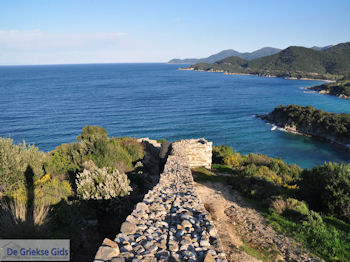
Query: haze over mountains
265	51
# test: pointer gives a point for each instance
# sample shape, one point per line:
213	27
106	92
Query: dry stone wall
170	224
198	152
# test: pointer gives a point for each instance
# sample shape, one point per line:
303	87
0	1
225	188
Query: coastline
261	75
293	130
324	92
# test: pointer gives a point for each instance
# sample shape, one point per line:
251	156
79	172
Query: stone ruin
171	223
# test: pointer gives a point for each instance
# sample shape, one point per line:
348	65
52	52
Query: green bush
100	184
255	188
327	188
289	207
94	144
102	150
91	134
47	191
64	159
162	140
295	207
324	240
14	161
133	147
234	160
271	169
220	152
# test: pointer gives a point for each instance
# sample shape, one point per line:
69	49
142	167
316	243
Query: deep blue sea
49	105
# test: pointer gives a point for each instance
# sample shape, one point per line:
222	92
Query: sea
48	105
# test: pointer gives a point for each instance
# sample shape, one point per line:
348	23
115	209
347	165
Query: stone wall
198	152
171	223
152	151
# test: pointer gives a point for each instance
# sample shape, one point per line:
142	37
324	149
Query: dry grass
15	222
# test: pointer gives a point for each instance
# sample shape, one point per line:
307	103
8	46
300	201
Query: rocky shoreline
326	92
293	129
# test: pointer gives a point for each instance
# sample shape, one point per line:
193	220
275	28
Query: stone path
171	224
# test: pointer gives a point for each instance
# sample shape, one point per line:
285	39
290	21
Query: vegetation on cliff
75	191
308	120
340	88
311	205
294	61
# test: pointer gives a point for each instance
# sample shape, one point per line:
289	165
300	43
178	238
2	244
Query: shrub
255	188
327	188
94	144
133	147
14	161
47	191
233	160
258	159
279	205
91	134
162	140
105	151
64	159
295	207
289	207
220	152
272	169
100	184
324	240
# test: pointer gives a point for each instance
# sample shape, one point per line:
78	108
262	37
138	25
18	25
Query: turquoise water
49	105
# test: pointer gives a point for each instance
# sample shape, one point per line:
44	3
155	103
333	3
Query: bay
49	105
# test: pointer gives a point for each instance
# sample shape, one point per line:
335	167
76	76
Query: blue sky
77	31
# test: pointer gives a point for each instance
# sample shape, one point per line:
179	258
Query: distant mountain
321	48
227	53
294	61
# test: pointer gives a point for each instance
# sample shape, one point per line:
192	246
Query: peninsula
340	88
334	128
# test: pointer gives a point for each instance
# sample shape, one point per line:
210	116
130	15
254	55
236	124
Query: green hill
340	88
294	61
265	51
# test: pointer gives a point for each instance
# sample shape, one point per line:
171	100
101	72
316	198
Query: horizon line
92	63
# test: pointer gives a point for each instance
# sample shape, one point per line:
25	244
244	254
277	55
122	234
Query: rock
209	258
139	249
126	248
107	253
189	255
128	228
118	259
186	223
127	254
204	243
110	243
173	246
